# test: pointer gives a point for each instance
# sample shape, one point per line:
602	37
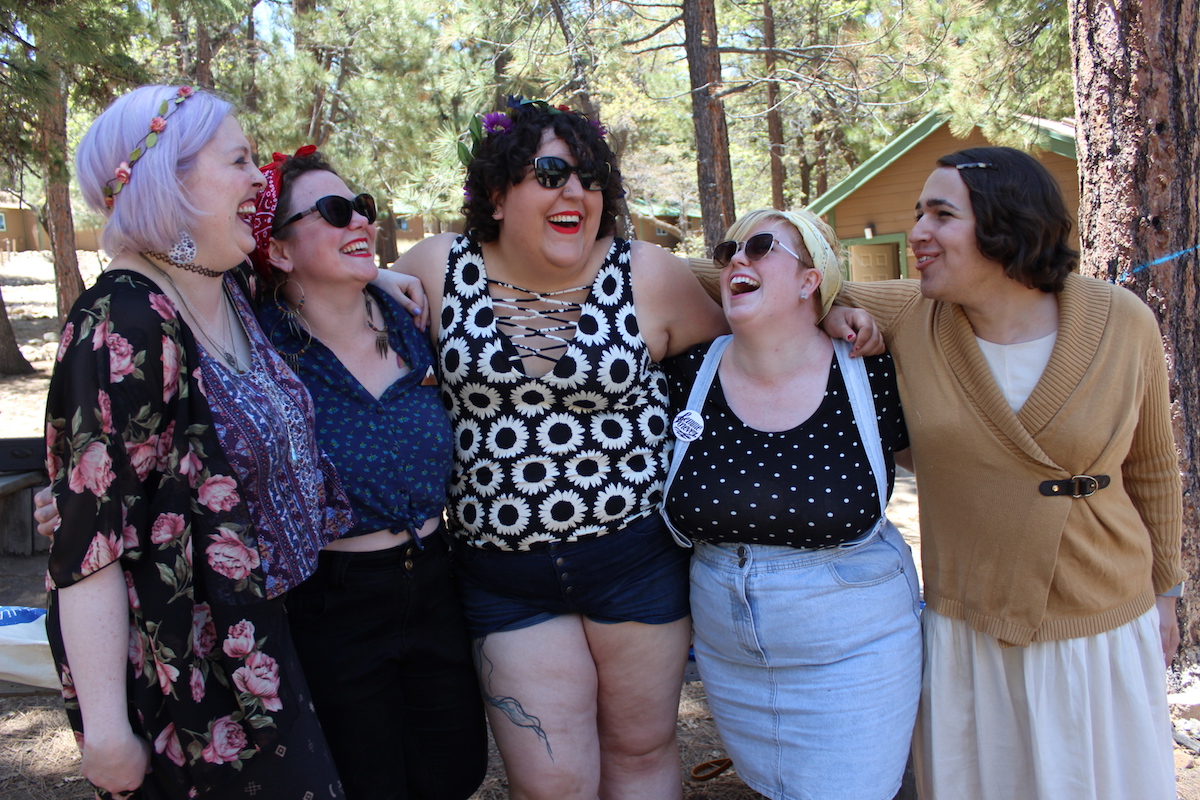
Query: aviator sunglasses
756	246
553	172
336	210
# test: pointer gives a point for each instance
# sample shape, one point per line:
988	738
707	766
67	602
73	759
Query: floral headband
267	204
157	125
498	123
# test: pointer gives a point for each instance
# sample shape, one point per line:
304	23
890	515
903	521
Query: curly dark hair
1021	220
289	171
501	163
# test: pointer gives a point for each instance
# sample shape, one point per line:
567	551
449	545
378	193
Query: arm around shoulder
674	311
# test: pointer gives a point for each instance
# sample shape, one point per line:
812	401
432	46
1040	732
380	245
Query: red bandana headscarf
268	202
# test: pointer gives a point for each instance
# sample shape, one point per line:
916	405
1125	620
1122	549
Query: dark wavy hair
289	172
1021	220
500	164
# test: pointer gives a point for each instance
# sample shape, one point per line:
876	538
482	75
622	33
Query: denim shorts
805	652
636	574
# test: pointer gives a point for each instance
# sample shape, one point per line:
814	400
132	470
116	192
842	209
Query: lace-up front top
573	453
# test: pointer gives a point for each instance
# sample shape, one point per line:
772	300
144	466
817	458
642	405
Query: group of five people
264	455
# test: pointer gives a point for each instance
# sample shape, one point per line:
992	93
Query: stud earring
804	295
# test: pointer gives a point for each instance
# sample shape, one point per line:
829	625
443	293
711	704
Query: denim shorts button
564	576
570	589
408	563
558	562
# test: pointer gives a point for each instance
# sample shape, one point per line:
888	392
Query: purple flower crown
498	123
158	124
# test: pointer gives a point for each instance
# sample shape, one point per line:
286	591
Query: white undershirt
1018	367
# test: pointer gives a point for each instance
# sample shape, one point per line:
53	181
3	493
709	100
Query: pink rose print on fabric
228	741
229	557
165	440
64	341
167	743
260	678
189	466
120	358
134	602
167	675
170	367
137	651
103	551
53	460
204	632
100	334
240	641
197	685
129	535
143	456
105	406
219	493
68	685
167	528
93	471
163	306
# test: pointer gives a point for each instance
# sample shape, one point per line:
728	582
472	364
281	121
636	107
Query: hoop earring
291	320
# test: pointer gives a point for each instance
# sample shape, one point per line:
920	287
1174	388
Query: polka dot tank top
811	486
578	452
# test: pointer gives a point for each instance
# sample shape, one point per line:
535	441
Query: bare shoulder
427	258
673	310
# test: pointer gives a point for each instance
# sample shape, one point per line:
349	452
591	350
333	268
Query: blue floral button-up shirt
393	454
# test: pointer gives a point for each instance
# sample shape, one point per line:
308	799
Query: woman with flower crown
186	472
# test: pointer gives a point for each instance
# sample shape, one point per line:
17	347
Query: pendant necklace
226	351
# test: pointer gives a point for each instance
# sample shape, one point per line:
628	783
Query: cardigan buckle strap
1078	486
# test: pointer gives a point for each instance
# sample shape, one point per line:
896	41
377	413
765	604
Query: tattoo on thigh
508	706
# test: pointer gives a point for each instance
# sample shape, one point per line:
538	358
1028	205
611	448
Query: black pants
385	650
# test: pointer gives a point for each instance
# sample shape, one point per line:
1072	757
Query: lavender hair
154	206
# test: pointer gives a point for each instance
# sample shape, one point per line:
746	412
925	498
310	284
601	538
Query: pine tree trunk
1137	95
60	224
708	118
774	119
11	360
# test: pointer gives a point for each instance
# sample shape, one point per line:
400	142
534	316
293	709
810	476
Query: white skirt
1076	719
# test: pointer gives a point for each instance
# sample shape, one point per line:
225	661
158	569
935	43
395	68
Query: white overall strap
862	402
695	402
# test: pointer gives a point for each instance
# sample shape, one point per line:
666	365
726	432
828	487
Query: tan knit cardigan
995	552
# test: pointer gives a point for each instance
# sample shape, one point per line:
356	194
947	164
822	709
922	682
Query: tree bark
60	224
11	360
1137	94
774	119
715	176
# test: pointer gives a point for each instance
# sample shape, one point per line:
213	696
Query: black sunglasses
554	172
336	210
756	246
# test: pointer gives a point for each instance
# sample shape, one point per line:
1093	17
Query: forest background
710	105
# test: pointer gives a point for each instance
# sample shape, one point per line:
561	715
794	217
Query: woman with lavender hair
186	472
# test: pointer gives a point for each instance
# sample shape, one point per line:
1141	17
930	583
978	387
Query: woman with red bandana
378	627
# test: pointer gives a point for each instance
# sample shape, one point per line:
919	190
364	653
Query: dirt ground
38	756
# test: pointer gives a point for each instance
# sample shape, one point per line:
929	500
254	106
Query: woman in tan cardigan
1039	419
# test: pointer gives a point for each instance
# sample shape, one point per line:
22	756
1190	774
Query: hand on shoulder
673	310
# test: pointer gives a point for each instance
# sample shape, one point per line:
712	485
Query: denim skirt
811	660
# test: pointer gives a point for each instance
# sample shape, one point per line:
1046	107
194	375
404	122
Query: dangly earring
184	249
181	254
291	320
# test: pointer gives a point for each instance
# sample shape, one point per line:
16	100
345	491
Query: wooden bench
22	473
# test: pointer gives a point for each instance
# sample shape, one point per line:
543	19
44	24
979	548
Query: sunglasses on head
756	246
554	172
336	210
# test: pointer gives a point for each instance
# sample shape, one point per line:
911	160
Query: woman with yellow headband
803	595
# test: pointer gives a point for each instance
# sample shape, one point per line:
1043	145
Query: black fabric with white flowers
811	486
575	453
